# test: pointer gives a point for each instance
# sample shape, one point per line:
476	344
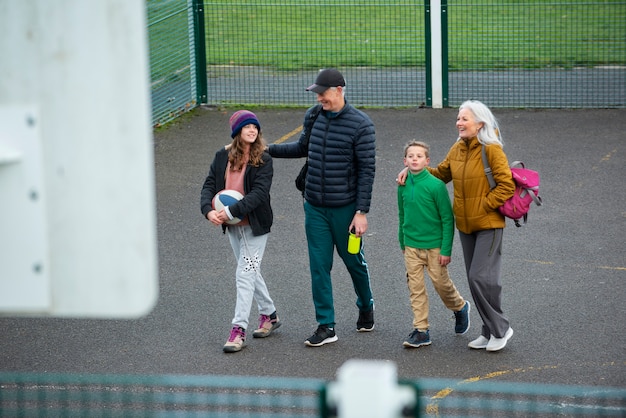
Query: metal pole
200	51
436	54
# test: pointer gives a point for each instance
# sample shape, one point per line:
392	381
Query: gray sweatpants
248	250
482	251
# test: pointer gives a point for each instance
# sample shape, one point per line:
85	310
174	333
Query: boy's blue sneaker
462	319
417	339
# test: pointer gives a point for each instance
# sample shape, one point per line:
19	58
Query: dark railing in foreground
79	395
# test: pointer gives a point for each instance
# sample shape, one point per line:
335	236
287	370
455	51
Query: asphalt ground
564	274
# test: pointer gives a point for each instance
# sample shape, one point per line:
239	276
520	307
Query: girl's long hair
237	156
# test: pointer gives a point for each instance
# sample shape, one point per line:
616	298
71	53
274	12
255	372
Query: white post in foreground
369	389
77	184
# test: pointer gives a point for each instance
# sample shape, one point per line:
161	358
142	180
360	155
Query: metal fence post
444	53
436	54
200	51
427	54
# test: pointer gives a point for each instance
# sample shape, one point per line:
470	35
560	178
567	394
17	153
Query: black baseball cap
326	79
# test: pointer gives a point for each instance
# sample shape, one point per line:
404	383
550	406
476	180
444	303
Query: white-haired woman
477	218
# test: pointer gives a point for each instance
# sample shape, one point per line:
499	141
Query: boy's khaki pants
417	261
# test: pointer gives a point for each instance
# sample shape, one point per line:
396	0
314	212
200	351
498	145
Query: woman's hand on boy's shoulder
402	175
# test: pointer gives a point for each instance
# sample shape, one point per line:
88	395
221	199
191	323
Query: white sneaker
479	343
497	344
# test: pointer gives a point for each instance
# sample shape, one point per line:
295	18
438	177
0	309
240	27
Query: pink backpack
526	190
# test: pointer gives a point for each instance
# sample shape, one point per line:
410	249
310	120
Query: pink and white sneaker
236	341
267	324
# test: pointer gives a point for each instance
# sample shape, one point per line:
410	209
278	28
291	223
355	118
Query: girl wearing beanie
245	166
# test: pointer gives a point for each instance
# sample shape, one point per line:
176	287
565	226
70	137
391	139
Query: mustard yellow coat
475	205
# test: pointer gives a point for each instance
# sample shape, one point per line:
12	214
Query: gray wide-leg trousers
482	251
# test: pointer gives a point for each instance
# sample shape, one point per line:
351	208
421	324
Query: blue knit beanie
240	119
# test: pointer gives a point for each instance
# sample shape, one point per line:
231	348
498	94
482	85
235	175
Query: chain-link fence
268	53
67	395
557	54
173	59
507	53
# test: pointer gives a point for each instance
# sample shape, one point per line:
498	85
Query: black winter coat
342	158
256	201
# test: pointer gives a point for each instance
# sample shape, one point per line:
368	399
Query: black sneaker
323	335
365	323
462	319
417	339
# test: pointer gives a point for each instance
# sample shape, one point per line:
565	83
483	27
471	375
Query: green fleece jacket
425	214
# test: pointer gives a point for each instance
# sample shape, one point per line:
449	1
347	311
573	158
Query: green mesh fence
489	398
562	54
507	53
268	52
67	395
172	58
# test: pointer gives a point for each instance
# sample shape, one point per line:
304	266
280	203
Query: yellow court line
552	263
433	408
289	135
539	261
606	158
612	268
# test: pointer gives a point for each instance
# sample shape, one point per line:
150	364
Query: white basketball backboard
77	193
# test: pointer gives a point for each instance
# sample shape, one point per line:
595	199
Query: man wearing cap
341	155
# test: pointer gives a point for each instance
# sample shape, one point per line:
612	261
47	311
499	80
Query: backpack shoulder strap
488	172
312	117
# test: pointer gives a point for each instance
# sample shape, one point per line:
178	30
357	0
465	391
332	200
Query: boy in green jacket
426	232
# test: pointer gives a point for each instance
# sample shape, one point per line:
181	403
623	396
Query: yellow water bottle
354	243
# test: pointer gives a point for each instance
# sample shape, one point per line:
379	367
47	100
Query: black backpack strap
309	126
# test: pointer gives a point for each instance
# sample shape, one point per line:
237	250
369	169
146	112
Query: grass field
292	35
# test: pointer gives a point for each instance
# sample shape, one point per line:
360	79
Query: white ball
227	198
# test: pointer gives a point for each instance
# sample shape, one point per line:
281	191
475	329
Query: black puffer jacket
342	158
256	184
